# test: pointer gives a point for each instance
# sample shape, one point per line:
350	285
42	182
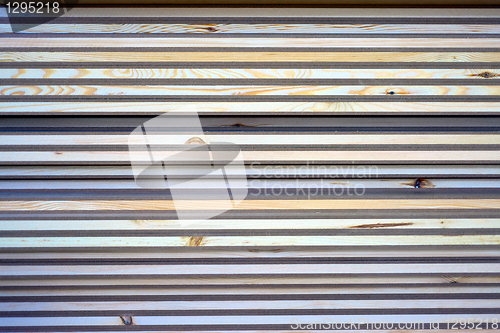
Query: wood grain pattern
256	73
369	29
290	204
401	104
256	281
248	90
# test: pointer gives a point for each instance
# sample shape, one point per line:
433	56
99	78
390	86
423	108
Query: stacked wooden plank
371	143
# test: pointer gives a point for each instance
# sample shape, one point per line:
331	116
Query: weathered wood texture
372	151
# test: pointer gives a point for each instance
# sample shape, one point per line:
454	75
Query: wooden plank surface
257	73
241	139
247	224
255	56
368	29
209	107
395	110
316	43
246	91
277	156
266	171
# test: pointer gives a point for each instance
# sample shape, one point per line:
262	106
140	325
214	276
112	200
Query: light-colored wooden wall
404	104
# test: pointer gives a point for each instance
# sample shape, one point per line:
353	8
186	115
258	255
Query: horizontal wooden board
257	56
255	73
16	205
251	224
224	108
229	270
281	322
400	103
291	29
264	171
247	90
312	281
262	184
241	43
242	139
7	307
196	254
50	243
282	156
265	124
88	290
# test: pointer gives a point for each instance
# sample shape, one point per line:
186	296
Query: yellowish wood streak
277	57
291	204
256	73
215	90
